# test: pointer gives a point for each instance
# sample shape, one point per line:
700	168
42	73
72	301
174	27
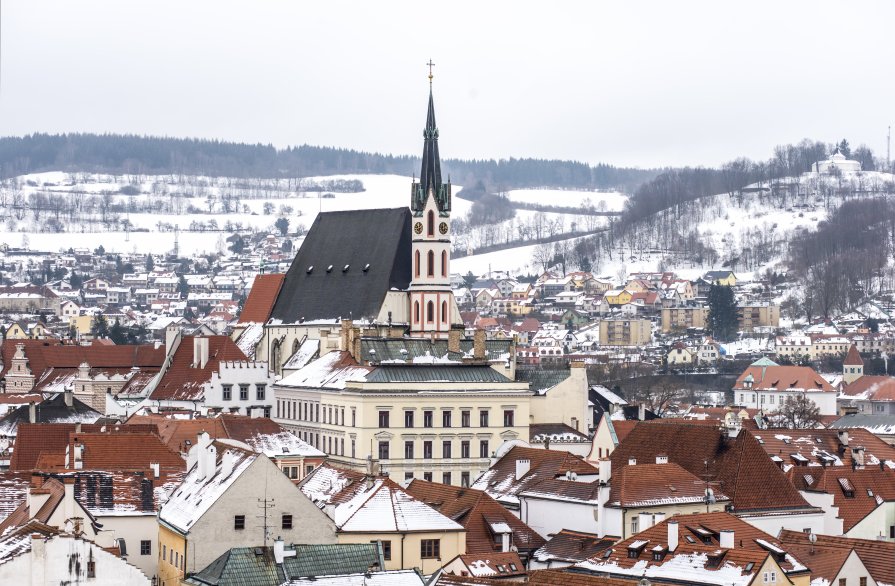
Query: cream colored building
681	318
625	332
754	315
436	418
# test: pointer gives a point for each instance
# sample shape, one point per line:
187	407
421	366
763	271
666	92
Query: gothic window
444	263
416	264
430	228
430	270
444	318
430	312
416	311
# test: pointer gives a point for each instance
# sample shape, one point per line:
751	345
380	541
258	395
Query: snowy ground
602	200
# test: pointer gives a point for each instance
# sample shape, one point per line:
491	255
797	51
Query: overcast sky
628	83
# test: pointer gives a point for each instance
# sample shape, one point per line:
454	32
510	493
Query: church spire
430	173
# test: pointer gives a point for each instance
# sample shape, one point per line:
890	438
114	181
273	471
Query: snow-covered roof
387	578
386	507
250	338
198	491
332	371
281	444
308	349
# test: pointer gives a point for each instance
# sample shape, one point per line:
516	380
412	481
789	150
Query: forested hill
110	153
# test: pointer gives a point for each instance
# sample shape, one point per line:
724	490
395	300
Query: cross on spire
431	65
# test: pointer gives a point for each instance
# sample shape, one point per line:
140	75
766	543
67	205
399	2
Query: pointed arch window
444	314
430	224
430	269
416	312
430	312
416	263
444	263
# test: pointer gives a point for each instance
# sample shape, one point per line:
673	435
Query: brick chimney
454	336
478	345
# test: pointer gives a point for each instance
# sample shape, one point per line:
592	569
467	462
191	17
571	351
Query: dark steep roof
378	238
430	172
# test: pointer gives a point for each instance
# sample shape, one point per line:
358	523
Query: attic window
501	569
636	548
329	269
345	268
689	539
366	267
607	553
310	269
869	493
714	558
659	553
786	440
809	480
749	566
513	566
847	488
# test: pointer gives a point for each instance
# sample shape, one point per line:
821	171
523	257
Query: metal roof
459	373
407	349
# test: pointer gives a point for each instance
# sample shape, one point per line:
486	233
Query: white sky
627	82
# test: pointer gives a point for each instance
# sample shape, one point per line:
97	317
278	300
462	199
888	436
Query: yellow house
81	324
16	332
617	297
413	534
726	278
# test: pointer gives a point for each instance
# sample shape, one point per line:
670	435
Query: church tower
432	305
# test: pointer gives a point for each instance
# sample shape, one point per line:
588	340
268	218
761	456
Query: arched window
430	230
444	263
430	270
444	318
416	311
430	312
416	261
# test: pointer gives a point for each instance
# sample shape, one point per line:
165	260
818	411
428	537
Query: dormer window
847	487
636	548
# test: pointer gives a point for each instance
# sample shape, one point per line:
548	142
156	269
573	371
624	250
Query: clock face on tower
443	227
418	227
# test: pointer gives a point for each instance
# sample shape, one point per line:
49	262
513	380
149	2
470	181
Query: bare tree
799	412
543	255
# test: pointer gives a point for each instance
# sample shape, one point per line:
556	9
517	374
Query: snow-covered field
610	201
201	193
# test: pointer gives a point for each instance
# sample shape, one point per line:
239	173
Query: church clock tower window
430	312
430	272
430	232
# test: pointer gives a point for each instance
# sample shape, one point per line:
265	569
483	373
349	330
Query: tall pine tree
722	313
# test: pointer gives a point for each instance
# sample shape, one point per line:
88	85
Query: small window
427	419
243	392
484	452
387	550
445	419
430	549
464	449
408	419
145	547
427	476
228	392
508	418
408	450
464	419
446	450
383	419
383	450
464	479
239	522
427	450
91	569
260	391
483	419
446	478
287	521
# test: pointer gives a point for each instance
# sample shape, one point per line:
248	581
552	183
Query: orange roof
780	378
36	442
853	358
475	510
876	555
262	296
870	487
645	483
183	381
45	354
872	388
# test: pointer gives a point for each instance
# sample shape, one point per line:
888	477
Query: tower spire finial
431	65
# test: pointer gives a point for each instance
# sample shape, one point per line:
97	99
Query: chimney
605	470
200	351
68	499
69	398
227	461
32	412
857	455
843	437
632	461
172	339
478	345
280	553
726	539
78	427
505	542
523	465
661	459
454	336
644	521
672	535
641	412
345	335
658	518
155	469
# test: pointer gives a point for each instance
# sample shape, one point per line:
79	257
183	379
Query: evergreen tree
282	224
182	287
100	326
722	313
117	333
468	280
150	263
75	281
845	149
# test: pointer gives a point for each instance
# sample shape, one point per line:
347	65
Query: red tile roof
871	486
261	298
740	467
475	510
45	354
646	484
817	446
184	381
573	546
872	388
877	555
697	534
853	358
783	377
49	440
